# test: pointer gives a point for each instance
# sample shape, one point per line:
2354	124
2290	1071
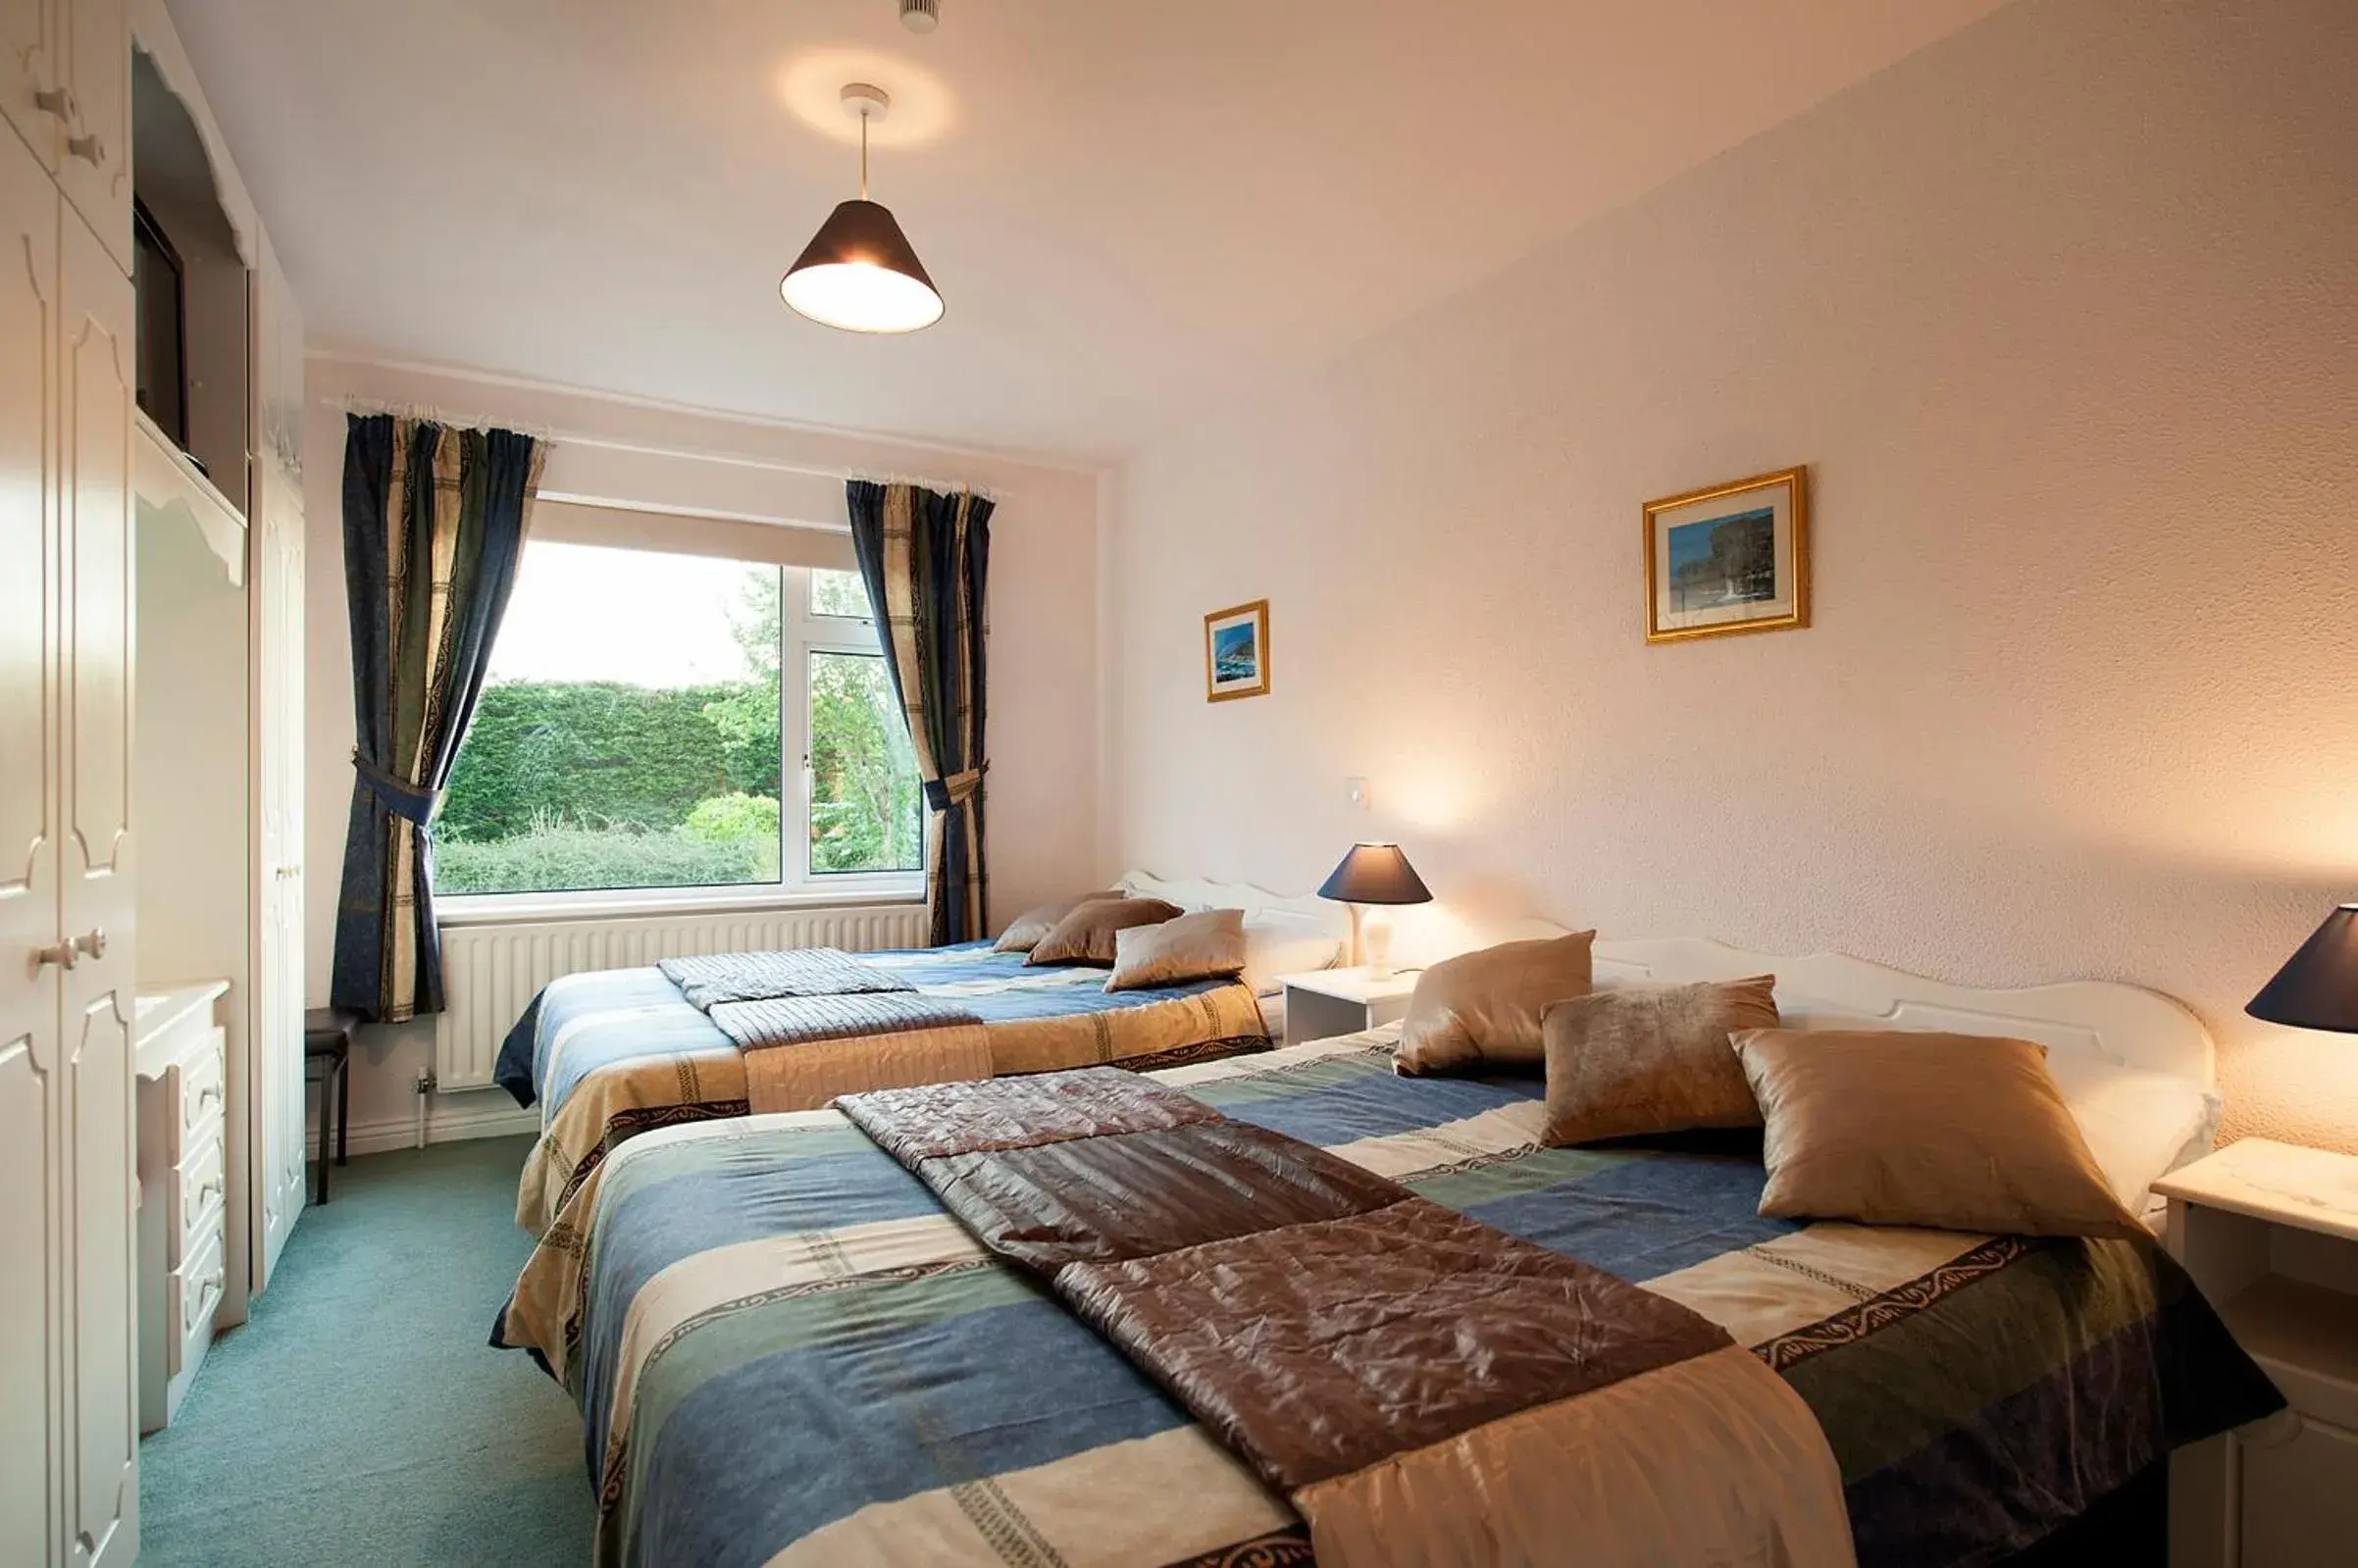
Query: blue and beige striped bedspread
612	1053
786	1351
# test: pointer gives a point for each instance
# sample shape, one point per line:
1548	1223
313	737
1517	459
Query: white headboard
2122	1024
1306	910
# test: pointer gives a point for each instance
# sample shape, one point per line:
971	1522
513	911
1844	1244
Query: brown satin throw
1319	1318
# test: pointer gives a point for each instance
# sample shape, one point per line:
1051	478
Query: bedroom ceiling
1130	208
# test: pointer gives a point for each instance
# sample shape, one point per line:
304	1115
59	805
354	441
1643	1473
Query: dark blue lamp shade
2317	986
1376	874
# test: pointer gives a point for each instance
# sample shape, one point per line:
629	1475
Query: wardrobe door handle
54	101
95	944
65	955
89	149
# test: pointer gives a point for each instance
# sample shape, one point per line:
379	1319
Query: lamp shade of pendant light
859	272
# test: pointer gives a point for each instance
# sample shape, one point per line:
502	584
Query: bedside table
2269	1233
1327	1002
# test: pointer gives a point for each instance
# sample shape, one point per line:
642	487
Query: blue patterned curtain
434	526
925	558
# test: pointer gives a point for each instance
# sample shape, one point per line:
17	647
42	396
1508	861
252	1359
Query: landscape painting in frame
1730	558
1236	652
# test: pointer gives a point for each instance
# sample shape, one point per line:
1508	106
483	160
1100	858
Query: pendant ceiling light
858	272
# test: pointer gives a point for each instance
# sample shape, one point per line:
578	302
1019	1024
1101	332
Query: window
658	721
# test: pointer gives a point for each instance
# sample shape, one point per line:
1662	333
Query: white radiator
490	973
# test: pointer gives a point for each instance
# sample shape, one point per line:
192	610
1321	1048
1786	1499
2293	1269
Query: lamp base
1378	942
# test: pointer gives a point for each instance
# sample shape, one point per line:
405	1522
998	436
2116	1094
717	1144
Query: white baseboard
454	1115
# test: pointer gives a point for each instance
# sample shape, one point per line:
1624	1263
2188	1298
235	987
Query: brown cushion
1652	1059
1951	1132
1085	936
1024	932
1481	1009
1200	946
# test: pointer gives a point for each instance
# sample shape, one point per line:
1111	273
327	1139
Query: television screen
156	282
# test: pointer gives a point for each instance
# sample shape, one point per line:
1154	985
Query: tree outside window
645	711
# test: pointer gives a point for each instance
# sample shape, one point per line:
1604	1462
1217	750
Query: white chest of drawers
182	1069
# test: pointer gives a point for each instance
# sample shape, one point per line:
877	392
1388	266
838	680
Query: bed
609	1054
786	1351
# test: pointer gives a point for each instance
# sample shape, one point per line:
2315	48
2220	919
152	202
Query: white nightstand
1327	1002
2269	1233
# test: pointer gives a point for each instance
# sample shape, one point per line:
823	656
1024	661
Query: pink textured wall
2063	313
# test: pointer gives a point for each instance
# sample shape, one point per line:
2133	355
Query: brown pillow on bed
1950	1132
1085	936
1205	946
1024	932
1481	1009
1652	1059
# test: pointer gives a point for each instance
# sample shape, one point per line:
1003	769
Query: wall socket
1354	790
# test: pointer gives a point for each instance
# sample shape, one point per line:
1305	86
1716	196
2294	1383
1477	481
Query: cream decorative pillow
1652	1059
1085	934
1024	932
1198	946
1950	1132
1481	1009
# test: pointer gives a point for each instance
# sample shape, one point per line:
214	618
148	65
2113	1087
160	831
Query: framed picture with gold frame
1728	559
1236	652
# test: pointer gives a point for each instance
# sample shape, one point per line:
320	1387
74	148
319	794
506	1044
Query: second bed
608	1055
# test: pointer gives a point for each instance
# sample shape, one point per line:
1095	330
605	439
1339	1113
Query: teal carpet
360	1417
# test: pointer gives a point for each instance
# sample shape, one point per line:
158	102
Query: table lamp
1374	873
2317	986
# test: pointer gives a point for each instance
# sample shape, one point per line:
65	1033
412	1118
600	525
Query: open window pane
865	806
837	593
628	734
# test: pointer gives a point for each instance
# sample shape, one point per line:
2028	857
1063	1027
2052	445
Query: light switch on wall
1354	790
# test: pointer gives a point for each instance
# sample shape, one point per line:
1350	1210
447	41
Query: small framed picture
1732	558
1236	652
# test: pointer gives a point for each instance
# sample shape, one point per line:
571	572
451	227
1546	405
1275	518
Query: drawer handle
205	1194
54	101
89	149
209	1094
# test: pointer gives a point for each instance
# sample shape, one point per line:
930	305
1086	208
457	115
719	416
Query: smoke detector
921	16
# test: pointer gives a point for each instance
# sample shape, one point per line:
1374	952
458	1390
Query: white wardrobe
74	856
68	1431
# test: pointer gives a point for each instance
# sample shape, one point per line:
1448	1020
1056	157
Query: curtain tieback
956	789
401	797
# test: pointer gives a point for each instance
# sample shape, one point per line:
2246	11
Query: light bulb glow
860	296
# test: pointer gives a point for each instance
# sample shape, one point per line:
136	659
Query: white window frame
801	633
806	632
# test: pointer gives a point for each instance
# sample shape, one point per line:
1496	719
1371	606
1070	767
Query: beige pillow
1198	946
1652	1059
1951	1132
1024	932
1481	1009
1085	936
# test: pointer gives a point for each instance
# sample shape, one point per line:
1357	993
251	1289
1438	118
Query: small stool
327	1034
